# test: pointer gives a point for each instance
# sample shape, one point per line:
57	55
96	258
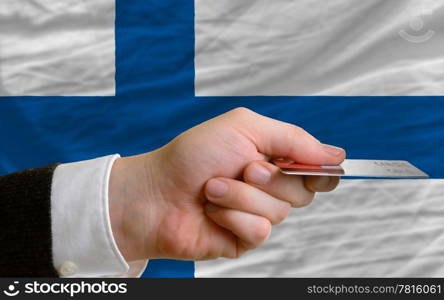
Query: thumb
283	140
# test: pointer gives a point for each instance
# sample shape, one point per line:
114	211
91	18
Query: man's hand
211	192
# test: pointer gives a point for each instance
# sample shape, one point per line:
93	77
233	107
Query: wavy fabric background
155	100
383	228
55	48
311	47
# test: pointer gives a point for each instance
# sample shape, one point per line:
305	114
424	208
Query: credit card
354	168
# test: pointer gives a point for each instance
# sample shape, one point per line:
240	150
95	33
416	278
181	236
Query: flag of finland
80	79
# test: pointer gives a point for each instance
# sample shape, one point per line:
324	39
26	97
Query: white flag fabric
57	48
381	228
312	47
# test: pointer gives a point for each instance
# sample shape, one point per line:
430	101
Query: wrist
132	208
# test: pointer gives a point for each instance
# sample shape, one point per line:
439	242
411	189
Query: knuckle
305	201
295	130
241	112
291	134
262	232
282	214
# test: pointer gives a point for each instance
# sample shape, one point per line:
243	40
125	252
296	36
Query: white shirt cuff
83	243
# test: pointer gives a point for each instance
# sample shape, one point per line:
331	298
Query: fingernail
258	174
216	188
332	150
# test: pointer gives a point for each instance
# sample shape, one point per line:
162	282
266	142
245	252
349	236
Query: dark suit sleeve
25	223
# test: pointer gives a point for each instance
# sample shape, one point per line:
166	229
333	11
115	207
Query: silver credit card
355	168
